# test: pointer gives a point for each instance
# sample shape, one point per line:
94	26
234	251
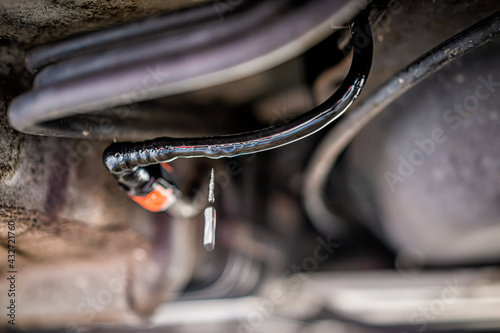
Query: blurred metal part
428	300
262	47
169	43
241	275
103	40
250	256
346	302
434	178
114	288
203	311
168	269
338	139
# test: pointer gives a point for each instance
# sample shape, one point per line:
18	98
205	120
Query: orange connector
159	200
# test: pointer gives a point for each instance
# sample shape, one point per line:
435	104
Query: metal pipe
56	109
54	52
165	44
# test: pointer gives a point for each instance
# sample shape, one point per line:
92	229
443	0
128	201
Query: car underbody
249	166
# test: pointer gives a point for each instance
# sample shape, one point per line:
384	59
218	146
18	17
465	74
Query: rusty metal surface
30	22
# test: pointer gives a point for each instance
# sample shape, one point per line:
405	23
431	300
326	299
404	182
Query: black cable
124	157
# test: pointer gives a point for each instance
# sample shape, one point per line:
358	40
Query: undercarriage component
337	140
122	158
406	181
447	156
153	71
